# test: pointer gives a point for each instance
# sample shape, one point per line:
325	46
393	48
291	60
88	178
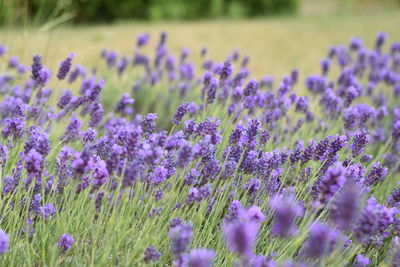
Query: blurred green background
290	34
32	12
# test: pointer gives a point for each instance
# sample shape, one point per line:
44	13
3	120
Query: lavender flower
100	173
13	127
331	182
346	206
320	241
3	50
65	242
4	242
72	130
201	257
361	261
361	138
377	174
180	113
151	254
36	67
47	211
65	66
82	162
181	237
142	39
240	236
373	219
286	211
148	123
34	162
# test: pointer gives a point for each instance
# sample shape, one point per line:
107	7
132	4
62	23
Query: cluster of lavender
299	175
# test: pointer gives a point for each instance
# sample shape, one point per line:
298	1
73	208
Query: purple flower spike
286	212
3	50
320	241
151	254
180	113
36	67
377	174
65	66
346	206
240	236
361	261
331	182
4	242
181	237
201	257
360	139
65	242
142	39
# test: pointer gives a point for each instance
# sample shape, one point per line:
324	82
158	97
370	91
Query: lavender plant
200	164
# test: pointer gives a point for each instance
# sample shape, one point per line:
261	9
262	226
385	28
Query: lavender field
163	145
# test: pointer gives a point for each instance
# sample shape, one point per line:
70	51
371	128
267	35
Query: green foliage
33	12
27	12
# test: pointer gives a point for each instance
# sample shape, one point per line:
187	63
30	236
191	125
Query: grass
274	45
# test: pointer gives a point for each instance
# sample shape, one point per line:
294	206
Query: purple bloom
34	162
360	139
13	62
251	88
3	50
88	136
240	236
39	141
361	261
380	40
366	158
181	237
36	67
72	130
320	241
325	65
78	71
47	211
123	104
160	175
262	261
302	104
4	242
346	206
82	162
142	39
286	211
394	198
201	257
151	254
373	219
396	130
377	174
255	214
65	99
331	182
226	70
212	90
100	173
65	242
180	113
13	127
148	123
185	156
65	66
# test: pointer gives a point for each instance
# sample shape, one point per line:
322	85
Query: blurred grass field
275	45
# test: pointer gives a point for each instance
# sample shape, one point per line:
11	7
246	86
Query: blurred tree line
40	11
